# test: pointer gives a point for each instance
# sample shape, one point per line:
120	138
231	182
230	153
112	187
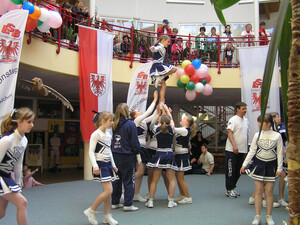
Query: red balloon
31	24
194	78
208	78
189	70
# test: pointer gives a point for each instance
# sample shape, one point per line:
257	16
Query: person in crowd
206	159
125	147
263	37
201	44
195	153
55	145
52	5
227	37
213	46
67	19
248	35
228	53
125	45
236	148
266	156
177	50
182	157
13	143
104	168
186	51
173	36
117	45
164	30
81	13
160	71
29	181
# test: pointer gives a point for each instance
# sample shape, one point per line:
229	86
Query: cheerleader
160	71
163	158
12	147
141	121
182	157
266	156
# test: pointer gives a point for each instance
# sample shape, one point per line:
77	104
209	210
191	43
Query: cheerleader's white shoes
256	220
108	219
270	220
149	204
91	216
179	197
139	198
185	201
172	204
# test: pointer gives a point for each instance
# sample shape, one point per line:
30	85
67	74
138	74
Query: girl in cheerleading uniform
163	158
182	157
12	147
141	121
160	71
266	156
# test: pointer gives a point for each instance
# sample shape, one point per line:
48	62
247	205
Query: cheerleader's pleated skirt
107	172
163	160
8	186
183	162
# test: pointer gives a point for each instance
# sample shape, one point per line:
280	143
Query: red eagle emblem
97	84
141	84
9	50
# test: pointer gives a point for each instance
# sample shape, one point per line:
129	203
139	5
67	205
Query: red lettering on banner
10	29
257	83
142	75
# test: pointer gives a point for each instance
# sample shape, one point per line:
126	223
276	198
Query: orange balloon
36	13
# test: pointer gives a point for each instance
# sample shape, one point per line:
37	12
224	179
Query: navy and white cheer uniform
12	148
101	156
159	68
163	157
182	157
266	156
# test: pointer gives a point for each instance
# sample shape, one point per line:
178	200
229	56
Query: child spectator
125	45
177	50
226	38
228	53
29	181
186	51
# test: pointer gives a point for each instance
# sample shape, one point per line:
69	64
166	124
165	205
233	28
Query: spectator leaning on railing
201	44
213	47
248	35
263	37
177	49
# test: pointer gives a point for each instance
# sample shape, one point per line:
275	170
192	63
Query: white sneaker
108	219
117	206
130	208
149	204
282	202
256	220
172	204
185	201
270	220
275	204
230	194
236	193
251	201
139	198
91	216
179	197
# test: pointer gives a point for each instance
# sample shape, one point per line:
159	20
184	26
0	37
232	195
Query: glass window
23	102
189	29
49	109
146	26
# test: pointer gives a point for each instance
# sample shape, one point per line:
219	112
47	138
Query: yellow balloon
184	79
185	63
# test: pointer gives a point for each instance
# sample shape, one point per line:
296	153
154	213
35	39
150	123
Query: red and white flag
12	26
95	76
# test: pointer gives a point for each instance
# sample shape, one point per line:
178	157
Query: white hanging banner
252	65
12	26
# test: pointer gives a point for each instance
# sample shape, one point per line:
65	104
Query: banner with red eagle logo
95	76
12	26
252	64
138	88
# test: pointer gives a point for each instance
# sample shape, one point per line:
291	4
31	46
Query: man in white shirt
55	144
207	161
236	148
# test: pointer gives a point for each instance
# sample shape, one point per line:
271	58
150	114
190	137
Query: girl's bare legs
281	184
21	203
140	170
107	191
162	92
156	176
259	189
171	178
3	206
166	180
150	177
182	185
269	196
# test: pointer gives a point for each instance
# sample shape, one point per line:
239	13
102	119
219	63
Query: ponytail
165	123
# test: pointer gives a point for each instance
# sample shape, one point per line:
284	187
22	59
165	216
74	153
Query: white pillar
92	8
256	19
87	166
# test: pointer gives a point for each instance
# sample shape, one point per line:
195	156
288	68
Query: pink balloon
208	90
190	95
54	20
13	6
4	6
202	72
179	72
203	66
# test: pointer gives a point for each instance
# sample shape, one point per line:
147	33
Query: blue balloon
28	6
196	63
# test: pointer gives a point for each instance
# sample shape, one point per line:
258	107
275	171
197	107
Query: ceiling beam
267	10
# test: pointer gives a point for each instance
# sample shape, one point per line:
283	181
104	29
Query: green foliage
219	5
68	33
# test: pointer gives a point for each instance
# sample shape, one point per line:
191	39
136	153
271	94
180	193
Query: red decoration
189	70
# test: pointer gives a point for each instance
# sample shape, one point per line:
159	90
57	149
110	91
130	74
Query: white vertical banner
138	88
252	65
12	26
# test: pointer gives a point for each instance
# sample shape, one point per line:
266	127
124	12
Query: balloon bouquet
41	18
194	77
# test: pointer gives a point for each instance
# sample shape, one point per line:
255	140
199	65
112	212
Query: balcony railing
211	50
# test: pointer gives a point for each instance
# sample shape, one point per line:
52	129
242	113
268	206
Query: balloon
44	27
190	86
208	78
189	69
36	13
28	6
194	78
184	79
208	90
185	63
199	87
18	2
54	20
180	84
13	6
4	6
179	72
31	24
190	95
40	23
202	72
203	81
44	15
204	66
196	63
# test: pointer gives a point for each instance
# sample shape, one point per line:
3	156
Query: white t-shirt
206	160
240	129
